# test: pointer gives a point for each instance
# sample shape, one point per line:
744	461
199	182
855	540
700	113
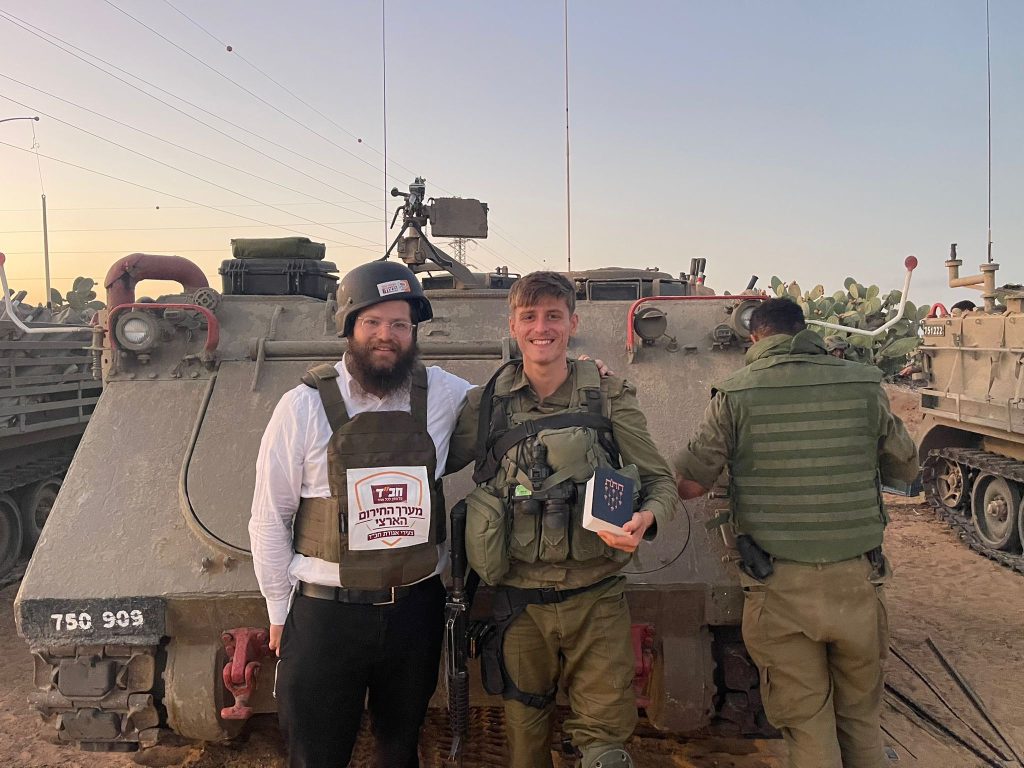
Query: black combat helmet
374	283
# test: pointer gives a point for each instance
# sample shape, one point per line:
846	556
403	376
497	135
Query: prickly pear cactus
861	307
78	305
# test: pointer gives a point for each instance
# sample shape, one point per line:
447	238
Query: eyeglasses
401	328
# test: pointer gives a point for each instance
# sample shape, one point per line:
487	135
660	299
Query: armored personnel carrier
47	395
972	451
140	605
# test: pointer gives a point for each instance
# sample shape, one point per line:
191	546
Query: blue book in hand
608	504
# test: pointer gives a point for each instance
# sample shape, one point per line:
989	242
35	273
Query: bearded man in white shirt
348	515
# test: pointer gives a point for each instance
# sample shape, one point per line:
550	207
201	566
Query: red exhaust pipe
126	273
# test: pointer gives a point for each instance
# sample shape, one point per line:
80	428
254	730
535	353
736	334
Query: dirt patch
972	608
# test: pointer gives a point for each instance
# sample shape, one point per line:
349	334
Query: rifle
455	627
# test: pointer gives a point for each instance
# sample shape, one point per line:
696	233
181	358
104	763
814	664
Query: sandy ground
972	608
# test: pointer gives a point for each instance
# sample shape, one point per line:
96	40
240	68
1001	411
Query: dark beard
381	380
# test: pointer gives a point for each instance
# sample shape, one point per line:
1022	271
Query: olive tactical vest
804	474
578	439
370	439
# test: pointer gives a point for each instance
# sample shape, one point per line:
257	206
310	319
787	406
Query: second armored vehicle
972	451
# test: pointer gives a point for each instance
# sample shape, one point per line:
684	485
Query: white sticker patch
388	507
393	286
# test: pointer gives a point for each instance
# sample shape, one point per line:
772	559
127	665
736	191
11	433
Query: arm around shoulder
462	450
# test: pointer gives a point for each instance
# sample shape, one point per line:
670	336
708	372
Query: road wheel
950	488
995	504
194	691
36	503
10	533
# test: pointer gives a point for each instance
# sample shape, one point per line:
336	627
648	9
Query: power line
121	250
13	278
169	142
238	85
233	50
176	197
387	160
384	103
38	32
186	173
161	229
174	208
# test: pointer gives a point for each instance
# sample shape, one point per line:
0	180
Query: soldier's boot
605	757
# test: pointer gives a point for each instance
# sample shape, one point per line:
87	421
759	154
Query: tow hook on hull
245	647
99	697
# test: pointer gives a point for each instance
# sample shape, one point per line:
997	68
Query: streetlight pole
46	239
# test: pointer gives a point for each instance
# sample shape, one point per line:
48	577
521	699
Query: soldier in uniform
806	438
538	430
348	526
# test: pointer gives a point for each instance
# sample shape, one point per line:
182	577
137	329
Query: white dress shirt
292	464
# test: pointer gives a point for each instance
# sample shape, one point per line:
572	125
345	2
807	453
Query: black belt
360	596
549	595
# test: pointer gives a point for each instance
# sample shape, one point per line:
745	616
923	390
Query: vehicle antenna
384	101
568	202
988	53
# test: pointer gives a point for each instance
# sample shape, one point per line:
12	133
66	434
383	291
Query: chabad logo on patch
393	286
390	494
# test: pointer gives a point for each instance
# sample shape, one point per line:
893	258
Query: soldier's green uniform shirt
629	425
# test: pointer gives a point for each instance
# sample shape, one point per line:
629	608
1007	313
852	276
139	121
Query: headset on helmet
374	283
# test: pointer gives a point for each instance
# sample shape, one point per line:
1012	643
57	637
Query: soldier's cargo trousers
585	641
818	634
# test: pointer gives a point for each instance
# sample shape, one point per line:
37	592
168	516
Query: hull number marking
69	622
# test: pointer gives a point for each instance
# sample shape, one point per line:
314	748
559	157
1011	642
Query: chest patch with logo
388	507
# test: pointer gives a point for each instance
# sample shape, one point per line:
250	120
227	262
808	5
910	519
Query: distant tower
458	246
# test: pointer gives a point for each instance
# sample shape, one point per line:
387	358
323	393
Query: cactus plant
863	307
77	305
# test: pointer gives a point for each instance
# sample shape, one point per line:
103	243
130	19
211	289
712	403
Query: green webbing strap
323	378
487	467
486	462
490	448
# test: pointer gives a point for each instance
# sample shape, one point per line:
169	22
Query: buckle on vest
388	602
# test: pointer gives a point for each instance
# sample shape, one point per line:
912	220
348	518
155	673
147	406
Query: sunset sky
805	139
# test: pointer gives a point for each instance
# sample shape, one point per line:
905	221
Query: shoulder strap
588	386
486	462
418	396
594	398
322	377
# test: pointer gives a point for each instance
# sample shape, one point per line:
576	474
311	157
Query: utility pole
46	239
458	246
46	257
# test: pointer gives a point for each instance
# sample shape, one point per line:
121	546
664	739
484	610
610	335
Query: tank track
979	461
34	471
98	697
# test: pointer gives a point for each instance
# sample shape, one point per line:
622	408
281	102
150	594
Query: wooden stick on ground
923	713
938	694
969	692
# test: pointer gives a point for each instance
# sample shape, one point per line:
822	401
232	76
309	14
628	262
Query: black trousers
333	653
